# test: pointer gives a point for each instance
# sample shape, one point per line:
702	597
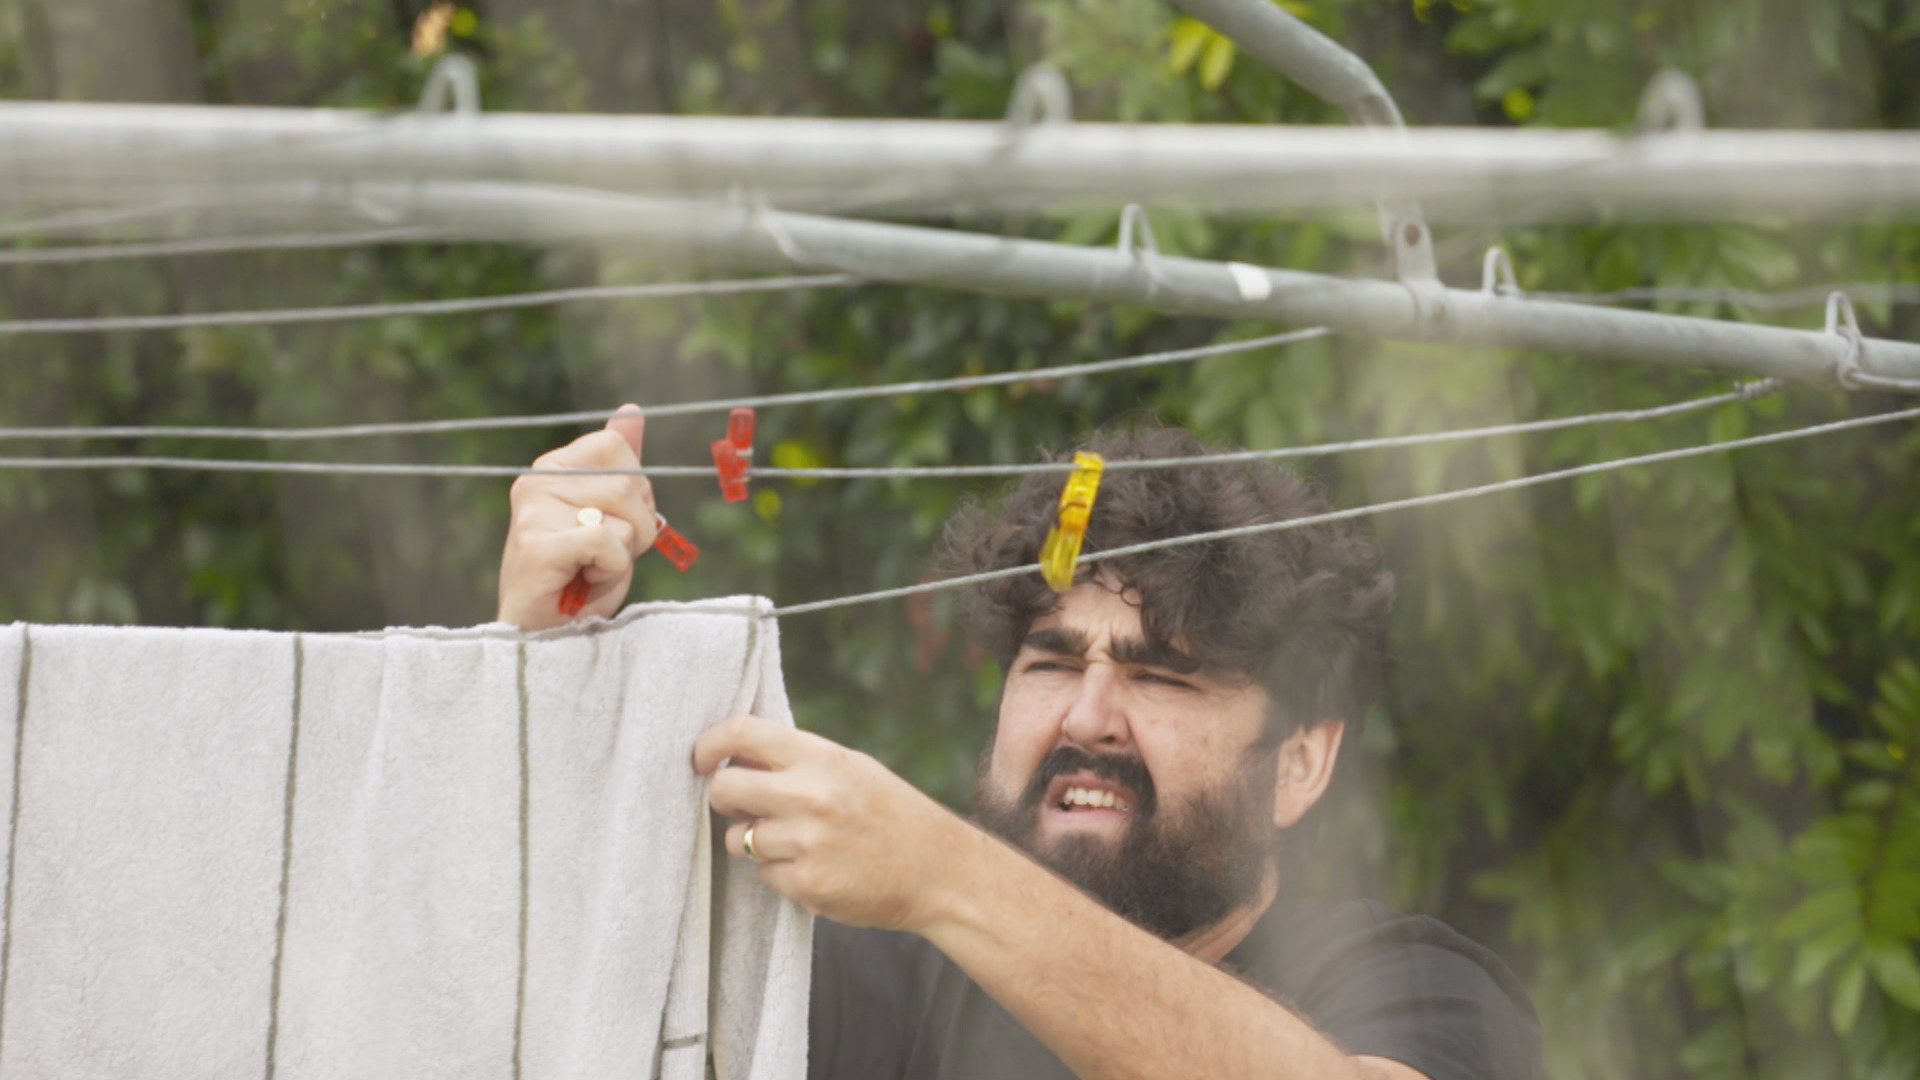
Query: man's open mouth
1080	793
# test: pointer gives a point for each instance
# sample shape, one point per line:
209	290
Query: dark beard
1170	875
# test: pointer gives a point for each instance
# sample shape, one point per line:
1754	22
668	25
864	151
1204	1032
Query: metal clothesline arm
1287	44
973	262
1334	73
204	164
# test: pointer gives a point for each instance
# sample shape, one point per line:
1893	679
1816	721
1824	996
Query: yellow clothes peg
1062	548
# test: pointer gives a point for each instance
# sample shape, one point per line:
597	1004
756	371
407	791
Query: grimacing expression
1126	769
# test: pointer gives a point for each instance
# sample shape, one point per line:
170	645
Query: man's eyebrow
1153	654
1057	640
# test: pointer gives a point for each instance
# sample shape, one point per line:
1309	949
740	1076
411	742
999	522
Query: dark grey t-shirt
889	1005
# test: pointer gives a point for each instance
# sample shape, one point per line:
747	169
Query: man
1121	907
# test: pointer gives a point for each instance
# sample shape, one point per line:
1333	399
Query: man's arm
849	840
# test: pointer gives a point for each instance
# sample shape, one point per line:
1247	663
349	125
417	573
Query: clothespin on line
733	454
668	542
1062	547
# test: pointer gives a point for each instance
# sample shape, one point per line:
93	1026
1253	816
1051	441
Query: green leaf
1894	968
1844	1007
1818	953
1186	41
1217	62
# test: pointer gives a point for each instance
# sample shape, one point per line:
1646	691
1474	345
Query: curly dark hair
1302	611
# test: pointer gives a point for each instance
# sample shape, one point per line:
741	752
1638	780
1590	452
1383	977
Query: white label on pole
1253	282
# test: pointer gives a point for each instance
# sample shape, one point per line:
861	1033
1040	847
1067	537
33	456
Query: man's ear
1305	768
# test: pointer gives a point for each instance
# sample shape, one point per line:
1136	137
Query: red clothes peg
574	596
678	549
732	454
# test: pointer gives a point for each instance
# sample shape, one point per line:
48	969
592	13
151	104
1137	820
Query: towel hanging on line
419	853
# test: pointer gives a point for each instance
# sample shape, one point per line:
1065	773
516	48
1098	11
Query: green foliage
1653	734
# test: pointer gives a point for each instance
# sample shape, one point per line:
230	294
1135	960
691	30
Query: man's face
1130	775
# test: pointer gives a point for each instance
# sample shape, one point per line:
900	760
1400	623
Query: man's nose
1097	717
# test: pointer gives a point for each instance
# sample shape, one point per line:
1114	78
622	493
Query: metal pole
911	254
1303	54
1330	70
72	155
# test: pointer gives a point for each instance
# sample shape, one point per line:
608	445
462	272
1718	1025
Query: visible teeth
1105	800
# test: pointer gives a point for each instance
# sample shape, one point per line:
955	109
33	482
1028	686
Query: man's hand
835	831
547	545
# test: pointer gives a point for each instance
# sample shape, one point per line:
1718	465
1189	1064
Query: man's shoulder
1307	931
1396	985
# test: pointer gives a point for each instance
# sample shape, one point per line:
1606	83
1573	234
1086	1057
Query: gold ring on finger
746	842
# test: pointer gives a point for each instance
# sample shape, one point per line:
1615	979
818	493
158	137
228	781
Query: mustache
1128	772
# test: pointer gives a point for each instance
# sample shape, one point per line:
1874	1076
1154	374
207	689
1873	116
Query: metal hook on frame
1671	102
1136	233
1138	243
454	80
759	213
1041	97
1496	274
1842	321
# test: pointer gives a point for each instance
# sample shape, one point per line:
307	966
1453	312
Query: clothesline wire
1745	392
94	218
1361	511
461	305
690	408
219	245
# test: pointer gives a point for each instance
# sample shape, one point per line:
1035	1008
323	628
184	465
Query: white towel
412	854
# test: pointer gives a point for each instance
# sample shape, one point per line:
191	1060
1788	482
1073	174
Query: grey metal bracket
1671	102
453	81
1040	96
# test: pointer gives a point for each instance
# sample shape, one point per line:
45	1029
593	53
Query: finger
555	504
559	555
775	745
571	492
601	449
742	793
768	840
630	425
623	533
605	597
784	878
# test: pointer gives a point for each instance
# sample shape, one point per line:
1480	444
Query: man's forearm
1109	999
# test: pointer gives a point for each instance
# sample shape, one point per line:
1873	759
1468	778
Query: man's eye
1048	665
1164	680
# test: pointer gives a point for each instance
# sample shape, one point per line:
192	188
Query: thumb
631	425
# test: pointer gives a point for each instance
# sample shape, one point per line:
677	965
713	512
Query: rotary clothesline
1421	309
1415	305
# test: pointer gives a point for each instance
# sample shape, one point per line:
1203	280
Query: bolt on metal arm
1336	75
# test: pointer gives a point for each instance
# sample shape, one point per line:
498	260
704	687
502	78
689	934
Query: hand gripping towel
418	854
